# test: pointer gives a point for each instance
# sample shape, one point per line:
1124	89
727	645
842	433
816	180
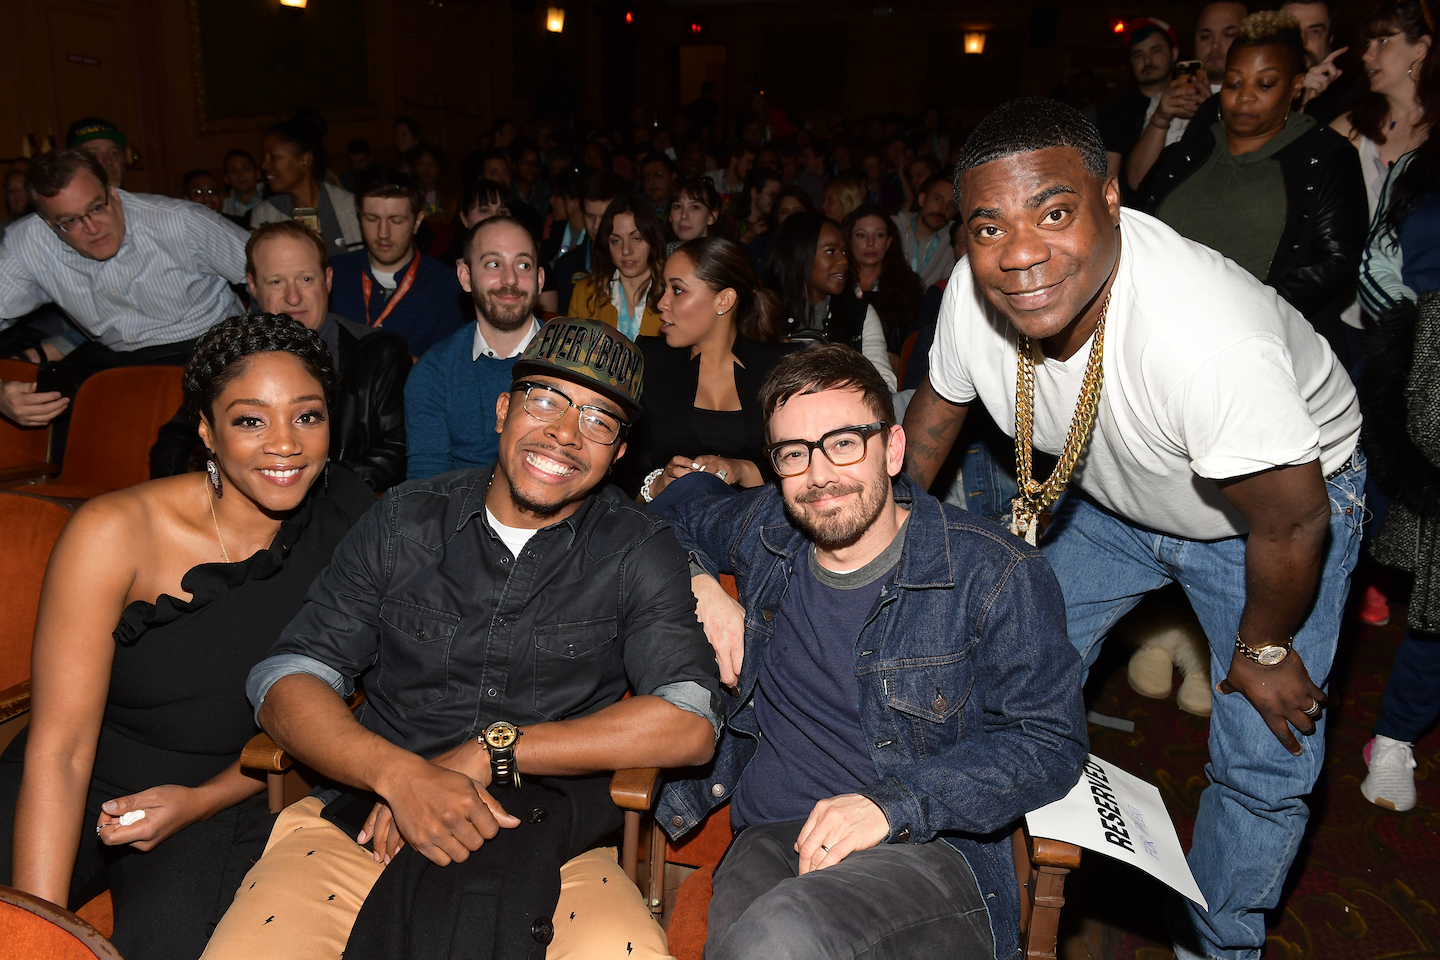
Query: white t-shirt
513	537
1209	375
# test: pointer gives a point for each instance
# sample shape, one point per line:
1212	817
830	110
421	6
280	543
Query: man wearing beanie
497	616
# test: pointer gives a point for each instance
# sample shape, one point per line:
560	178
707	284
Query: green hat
590	353
92	128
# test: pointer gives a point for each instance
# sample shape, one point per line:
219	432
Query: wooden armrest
1045	852
635	789
27	470
14	701
262	753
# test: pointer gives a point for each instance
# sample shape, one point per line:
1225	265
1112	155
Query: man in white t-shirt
1222	456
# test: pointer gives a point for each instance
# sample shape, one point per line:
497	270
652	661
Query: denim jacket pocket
933	689
414	653
570	663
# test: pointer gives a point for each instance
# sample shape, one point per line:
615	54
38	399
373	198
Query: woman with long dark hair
625	274
294	160
717	344
158	601
807	270
880	275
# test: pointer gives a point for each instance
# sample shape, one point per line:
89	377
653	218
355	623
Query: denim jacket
969	687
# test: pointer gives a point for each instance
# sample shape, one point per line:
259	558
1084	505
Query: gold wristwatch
1266	656
499	740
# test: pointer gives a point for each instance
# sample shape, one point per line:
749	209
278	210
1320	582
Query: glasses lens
597	426
845	448
790	459
543	404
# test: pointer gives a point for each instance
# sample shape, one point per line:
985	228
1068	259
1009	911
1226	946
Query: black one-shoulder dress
177	714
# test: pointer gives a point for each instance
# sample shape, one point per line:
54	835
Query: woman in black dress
703	373
157	601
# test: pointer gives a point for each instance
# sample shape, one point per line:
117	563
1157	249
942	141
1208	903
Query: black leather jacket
1326	218
367	432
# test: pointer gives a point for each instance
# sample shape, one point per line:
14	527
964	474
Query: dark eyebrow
256	402
983	212
1044	195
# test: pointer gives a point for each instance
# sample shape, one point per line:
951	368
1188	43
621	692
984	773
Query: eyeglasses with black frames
548	404
65	223
843	447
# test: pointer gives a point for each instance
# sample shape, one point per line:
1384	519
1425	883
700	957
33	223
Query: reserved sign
1111	812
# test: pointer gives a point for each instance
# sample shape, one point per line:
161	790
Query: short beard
503	320
532	507
841	529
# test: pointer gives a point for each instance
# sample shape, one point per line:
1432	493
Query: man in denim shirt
498	617
901	691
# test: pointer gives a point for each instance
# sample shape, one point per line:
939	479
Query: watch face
501	734
1269	656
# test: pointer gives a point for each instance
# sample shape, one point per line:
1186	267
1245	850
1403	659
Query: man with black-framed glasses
498	617
900	693
141	275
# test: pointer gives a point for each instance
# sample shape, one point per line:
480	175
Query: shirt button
718	790
769	615
677	821
504	561
492	692
903	836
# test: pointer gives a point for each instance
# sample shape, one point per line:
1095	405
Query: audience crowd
778	341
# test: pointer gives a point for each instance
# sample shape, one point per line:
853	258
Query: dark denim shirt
969	687
451	632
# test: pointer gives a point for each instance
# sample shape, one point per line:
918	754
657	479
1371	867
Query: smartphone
1187	68
54	377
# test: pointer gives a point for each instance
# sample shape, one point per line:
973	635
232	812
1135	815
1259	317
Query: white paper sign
1123	817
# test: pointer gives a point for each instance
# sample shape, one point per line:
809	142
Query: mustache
555	453
833	490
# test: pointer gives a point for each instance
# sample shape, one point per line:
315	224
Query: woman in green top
1265	185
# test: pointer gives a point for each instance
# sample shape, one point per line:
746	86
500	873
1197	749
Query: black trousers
168	901
498	904
915	901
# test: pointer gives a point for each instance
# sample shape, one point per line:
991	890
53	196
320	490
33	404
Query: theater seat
117	417
24	451
36	929
31	526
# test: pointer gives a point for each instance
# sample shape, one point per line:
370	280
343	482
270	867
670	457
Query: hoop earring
214	473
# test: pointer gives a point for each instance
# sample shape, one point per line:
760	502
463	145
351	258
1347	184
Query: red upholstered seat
118	415
31	526
35	929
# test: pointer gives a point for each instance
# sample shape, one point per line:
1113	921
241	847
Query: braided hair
223	353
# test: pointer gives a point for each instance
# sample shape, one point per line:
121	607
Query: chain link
1035	497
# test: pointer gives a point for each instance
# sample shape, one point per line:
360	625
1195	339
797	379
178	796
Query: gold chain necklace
1035	497
215	520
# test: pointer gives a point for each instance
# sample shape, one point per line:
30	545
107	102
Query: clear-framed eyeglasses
548	404
97	209
843	447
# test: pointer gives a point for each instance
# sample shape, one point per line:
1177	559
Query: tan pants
300	900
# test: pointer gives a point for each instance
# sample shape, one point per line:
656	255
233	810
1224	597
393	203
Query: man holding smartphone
1153	52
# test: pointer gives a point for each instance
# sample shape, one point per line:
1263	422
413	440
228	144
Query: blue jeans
1253	814
1412	694
683	488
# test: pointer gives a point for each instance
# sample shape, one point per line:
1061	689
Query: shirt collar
482	348
474	506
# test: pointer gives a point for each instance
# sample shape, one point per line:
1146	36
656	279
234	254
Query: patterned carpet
1366	884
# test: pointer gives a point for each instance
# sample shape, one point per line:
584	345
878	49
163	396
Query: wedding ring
825	848
722	473
1314	710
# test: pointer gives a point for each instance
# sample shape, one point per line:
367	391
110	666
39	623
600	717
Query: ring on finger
1314	709
826	849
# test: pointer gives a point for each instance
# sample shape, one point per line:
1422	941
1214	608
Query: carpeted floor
1366	884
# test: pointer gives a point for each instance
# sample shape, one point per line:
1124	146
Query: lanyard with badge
367	285
916	264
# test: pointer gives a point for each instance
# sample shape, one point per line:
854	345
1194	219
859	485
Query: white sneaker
1391	782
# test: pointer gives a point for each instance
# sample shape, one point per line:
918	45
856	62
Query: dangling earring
214	474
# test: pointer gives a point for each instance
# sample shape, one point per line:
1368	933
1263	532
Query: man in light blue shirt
141	275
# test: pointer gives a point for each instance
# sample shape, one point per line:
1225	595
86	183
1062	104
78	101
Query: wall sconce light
975	41
298	4
555	20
